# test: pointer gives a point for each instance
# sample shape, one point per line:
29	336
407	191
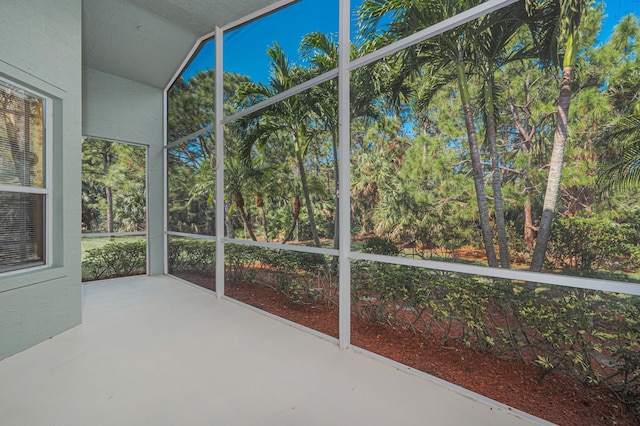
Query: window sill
27	277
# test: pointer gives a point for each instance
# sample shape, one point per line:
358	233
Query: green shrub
237	258
381	291
380	245
302	277
592	336
115	260
587	245
192	255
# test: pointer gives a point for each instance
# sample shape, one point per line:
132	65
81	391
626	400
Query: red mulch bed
557	398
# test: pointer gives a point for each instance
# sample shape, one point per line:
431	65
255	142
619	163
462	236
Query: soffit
147	40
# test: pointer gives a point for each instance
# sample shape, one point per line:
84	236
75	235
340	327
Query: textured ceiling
147	40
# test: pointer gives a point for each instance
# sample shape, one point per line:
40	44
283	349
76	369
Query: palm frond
623	170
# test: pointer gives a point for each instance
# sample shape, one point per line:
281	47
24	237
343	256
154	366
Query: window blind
23	191
21	230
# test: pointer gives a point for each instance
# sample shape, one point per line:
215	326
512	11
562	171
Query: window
24	184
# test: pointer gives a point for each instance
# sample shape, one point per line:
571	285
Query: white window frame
46	190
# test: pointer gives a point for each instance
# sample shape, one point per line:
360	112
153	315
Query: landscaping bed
557	398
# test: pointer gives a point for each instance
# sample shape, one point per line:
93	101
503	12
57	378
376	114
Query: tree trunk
528	225
228	223
476	165
296	215
496	176
239	200
555	171
307	199
107	191
525	134
109	196
263	216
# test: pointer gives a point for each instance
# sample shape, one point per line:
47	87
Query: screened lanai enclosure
449	184
385	174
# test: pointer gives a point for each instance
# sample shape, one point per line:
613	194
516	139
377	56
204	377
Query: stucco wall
123	110
41	49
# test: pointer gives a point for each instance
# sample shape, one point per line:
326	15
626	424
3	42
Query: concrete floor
156	351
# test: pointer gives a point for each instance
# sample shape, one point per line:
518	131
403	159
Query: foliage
380	291
592	336
460	141
415	178
113	187
191	255
380	245
302	277
585	245
115	260
624	169
238	259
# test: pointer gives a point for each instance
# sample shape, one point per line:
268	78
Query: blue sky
245	47
614	11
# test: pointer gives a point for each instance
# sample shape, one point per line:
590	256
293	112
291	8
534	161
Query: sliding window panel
22	138
22	237
25	186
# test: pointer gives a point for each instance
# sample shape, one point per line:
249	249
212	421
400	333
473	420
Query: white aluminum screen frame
144	233
344	252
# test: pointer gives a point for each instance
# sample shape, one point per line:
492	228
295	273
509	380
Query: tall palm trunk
525	133
528	224
239	200
496	176
555	170
307	198
476	165
108	192
263	216
296	216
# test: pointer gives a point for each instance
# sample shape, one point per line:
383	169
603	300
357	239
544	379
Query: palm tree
623	171
492	50
373	175
321	50
237	177
291	117
476	47
568	32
